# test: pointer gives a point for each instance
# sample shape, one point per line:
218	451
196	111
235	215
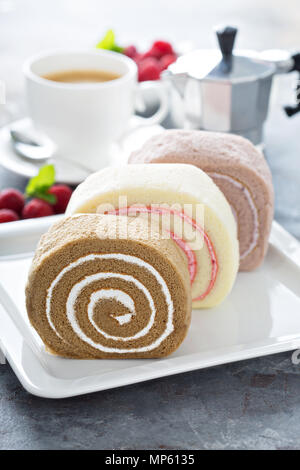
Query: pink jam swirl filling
190	254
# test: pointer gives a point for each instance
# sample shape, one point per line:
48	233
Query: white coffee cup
84	120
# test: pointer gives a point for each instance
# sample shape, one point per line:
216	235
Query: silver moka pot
218	90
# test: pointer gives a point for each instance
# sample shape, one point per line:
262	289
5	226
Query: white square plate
261	316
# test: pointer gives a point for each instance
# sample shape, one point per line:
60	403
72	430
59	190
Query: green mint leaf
42	181
51	198
109	42
117	49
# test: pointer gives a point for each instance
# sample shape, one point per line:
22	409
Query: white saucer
66	172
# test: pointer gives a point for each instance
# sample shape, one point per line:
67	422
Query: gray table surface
252	404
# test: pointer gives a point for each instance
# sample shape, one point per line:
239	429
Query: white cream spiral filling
116	294
113	294
246	192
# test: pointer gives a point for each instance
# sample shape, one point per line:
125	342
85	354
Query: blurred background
30	26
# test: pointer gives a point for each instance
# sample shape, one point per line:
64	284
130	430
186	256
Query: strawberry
167	60
7	215
148	69
63	194
12	199
37	208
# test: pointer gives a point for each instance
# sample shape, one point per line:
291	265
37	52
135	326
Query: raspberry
63	194
167	60
158	50
37	208
162	48
148	69
152	52
7	215
137	58
130	51
12	199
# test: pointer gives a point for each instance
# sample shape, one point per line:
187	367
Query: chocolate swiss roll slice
104	286
188	207
238	169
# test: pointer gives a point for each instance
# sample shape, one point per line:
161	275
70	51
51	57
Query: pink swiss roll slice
237	168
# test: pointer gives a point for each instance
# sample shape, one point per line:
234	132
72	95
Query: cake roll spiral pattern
175	191
108	295
190	254
238	169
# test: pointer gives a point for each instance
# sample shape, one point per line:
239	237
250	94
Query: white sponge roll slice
184	192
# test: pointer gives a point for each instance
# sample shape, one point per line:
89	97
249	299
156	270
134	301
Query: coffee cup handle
159	89
139	122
